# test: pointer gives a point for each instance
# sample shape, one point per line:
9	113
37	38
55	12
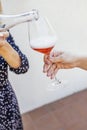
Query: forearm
10	55
82	62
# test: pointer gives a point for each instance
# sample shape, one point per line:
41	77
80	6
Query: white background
69	19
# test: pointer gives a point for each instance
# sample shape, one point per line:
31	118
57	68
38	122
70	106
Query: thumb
6	34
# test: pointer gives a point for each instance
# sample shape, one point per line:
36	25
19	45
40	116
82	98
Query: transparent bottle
12	20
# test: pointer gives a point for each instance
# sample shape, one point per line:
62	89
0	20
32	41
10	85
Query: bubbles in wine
43	42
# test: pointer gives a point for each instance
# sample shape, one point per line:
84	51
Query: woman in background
10	57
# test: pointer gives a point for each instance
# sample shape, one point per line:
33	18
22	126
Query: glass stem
57	80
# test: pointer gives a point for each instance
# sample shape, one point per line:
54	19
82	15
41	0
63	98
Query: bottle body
12	20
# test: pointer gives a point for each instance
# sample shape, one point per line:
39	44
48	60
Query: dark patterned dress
10	118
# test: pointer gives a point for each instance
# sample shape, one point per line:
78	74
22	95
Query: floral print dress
10	118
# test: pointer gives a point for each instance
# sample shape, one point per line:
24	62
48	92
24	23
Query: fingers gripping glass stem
57	80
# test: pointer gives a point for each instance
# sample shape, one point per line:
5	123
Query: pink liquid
43	50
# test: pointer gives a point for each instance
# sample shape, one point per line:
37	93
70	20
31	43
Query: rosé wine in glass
43	44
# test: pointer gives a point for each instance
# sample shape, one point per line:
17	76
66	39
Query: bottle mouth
35	13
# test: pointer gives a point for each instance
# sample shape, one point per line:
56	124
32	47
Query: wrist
77	61
81	61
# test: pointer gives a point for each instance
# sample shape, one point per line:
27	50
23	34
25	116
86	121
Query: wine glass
42	38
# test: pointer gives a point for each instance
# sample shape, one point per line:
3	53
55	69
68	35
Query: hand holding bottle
62	60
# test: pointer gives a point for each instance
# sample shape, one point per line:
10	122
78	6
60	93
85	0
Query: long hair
1	11
0	7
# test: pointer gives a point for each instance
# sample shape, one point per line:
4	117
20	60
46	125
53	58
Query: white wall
69	18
